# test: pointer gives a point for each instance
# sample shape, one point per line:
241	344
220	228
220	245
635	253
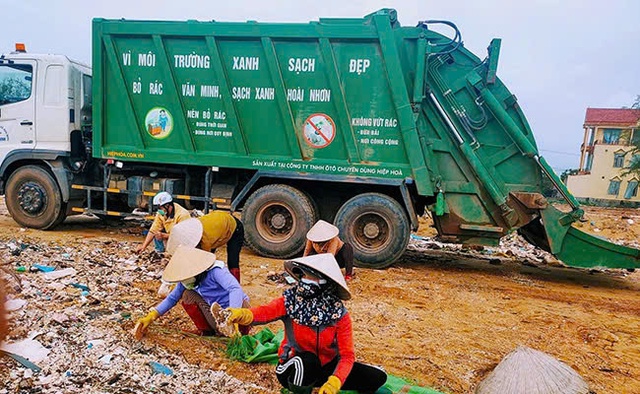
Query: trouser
234	245
344	257
303	371
200	313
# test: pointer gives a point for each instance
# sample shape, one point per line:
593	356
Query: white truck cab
45	110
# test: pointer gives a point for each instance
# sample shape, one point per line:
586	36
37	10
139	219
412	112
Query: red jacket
327	343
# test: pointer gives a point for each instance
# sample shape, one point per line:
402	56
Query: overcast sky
558	57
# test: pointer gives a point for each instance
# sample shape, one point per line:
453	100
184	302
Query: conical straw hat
326	266
186	263
526	370
322	231
187	233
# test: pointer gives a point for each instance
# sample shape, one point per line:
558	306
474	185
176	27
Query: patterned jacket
326	342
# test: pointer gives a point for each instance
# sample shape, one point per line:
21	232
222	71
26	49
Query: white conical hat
187	233
526	370
186	263
326	266
322	231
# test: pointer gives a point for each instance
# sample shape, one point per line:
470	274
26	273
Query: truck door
17	106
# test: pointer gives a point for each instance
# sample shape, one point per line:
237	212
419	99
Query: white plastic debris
57	274
14	304
28	348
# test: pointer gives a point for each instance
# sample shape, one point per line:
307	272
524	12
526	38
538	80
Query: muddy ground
442	318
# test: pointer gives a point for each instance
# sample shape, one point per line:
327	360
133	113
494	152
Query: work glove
241	316
144	322
331	386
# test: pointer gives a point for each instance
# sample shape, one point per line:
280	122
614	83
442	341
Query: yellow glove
331	386
241	316
145	321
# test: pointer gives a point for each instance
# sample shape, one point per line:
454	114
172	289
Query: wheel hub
32	197
371	230
275	222
278	221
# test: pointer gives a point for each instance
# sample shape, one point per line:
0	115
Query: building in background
610	135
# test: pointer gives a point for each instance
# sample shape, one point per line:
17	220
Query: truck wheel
377	228
276	220
34	199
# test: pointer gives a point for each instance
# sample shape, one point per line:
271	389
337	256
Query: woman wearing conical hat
201	281
209	232
323	238
317	349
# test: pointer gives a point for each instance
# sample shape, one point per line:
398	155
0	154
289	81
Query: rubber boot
236	273
203	328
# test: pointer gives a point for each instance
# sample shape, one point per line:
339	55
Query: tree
634	164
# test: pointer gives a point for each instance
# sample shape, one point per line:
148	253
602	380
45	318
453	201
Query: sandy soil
439	318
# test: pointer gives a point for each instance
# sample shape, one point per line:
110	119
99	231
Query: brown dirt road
440	318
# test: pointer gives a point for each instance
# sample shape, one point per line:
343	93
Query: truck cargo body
361	122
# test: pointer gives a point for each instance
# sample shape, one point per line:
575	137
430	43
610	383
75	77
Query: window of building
618	159
15	83
614	187
589	162
632	189
635	137
611	136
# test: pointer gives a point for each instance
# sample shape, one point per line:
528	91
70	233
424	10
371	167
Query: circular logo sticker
319	130
159	123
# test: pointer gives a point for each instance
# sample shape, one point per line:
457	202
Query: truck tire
34	199
377	228
276	219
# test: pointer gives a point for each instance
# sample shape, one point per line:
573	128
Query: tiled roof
612	116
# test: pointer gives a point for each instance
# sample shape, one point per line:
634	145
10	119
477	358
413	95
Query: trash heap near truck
361	122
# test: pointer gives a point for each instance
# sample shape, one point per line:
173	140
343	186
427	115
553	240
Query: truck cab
45	117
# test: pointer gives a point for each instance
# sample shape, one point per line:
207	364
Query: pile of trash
511	247
69	304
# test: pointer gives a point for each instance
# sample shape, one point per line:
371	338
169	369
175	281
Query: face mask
189	284
161	212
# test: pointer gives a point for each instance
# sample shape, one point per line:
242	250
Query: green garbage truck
361	122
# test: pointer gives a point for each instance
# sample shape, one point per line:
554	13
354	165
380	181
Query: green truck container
361	122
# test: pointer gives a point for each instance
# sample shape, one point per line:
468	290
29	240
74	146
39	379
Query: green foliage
565	174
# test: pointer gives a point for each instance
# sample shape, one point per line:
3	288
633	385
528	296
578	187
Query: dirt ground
439	318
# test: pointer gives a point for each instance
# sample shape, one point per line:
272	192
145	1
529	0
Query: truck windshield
15	83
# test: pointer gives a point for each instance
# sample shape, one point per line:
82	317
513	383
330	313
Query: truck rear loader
361	122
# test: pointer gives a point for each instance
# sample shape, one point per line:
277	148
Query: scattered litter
59	318
59	274
22	360
80	329
80	286
43	268
221	317
28	348
106	359
14	304
159	368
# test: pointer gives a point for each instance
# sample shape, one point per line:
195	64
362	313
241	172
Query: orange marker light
20	47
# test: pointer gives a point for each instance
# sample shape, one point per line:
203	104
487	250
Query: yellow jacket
217	229
162	222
